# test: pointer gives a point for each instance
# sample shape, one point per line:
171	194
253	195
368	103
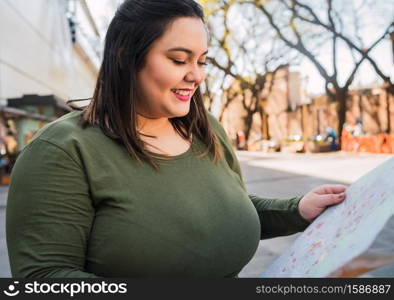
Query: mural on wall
346	240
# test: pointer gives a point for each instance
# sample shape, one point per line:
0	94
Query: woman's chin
180	113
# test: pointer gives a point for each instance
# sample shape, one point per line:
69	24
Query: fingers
331	199
330	189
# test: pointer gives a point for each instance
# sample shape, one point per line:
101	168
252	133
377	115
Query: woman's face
173	69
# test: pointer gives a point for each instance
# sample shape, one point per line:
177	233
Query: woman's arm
279	217
49	214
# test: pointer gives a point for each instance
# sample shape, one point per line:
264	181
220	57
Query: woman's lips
182	97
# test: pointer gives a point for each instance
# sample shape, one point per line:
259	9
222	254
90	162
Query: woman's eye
177	62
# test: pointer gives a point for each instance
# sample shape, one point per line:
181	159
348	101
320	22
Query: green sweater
80	206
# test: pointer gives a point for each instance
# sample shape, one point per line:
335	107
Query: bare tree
294	23
246	52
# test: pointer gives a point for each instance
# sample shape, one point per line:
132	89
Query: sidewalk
4	264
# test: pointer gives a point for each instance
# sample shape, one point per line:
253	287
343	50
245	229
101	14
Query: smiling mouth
182	92
182	95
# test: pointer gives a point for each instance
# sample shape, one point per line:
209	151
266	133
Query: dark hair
135	26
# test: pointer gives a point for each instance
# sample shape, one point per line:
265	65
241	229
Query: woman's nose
196	74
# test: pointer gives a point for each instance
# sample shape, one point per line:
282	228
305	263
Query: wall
36	53
369	105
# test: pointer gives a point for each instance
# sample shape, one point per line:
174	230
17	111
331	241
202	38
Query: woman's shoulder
66	132
215	124
218	129
69	122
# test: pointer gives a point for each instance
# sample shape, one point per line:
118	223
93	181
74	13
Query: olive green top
80	206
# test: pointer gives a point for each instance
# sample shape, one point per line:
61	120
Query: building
39	110
281	116
49	49
293	122
373	107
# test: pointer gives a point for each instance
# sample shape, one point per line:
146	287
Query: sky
366	75
374	17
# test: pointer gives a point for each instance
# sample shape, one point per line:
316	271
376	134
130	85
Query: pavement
4	264
271	175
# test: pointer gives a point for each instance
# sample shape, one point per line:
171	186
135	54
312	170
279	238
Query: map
345	240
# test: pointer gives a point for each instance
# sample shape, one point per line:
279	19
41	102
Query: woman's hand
318	199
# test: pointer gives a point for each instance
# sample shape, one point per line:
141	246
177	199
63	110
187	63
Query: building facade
281	114
296	123
48	48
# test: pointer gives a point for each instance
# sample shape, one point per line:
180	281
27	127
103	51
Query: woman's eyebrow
188	51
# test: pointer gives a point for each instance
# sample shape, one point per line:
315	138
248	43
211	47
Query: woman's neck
156	127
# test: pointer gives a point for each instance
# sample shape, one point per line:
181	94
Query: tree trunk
305	127
264	125
361	108
248	128
388	104
341	98
223	110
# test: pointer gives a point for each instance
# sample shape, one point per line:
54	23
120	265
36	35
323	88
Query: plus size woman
143	181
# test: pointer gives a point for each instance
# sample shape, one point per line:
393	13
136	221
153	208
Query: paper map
344	235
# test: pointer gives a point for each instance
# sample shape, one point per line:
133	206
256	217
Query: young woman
143	181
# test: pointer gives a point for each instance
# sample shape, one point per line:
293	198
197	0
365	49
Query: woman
144	181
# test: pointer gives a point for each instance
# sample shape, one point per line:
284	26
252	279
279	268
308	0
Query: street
268	175
4	265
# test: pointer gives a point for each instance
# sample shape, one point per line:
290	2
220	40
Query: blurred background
304	89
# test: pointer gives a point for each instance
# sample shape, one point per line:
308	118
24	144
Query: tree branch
299	46
334	38
350	44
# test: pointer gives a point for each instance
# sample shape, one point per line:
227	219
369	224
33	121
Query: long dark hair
135	26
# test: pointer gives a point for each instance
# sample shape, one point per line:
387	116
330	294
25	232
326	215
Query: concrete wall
36	53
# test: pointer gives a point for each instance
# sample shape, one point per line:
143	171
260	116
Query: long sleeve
49	214
278	217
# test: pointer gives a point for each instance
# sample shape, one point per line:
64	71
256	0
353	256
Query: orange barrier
379	143
5	179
